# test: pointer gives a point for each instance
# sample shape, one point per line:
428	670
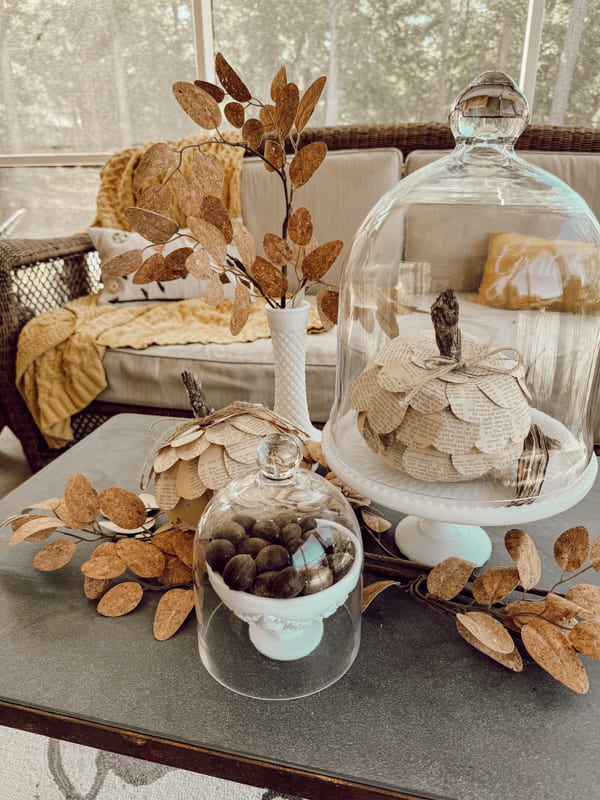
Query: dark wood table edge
180	755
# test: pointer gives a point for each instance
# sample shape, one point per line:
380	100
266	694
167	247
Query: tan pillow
525	272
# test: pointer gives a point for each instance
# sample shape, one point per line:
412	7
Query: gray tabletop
419	711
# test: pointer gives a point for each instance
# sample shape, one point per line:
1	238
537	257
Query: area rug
34	767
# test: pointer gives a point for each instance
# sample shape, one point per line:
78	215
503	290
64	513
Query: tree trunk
333	100
568	57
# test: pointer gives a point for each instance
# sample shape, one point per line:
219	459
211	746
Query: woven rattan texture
36	275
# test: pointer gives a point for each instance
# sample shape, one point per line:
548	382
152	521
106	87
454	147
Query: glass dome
468	332
277	579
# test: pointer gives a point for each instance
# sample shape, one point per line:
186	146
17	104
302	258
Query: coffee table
419	715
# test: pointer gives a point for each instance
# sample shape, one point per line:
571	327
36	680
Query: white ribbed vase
288	334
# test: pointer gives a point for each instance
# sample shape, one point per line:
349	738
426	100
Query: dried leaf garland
153	269
231	81
373	590
208	173
287	102
241	309
54	555
235	114
32	527
328	307
300	228
123	508
155	197
209	237
316	263
272	282
511	660
142	558
123	264
587	596
120	600
595	554
448	578
198	104
277	249
489	631
198	264
278	84
214	211
212	89
274	155
585	638
553	652
495	584
253	132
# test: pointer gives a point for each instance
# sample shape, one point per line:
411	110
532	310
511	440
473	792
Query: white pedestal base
286	645
429	541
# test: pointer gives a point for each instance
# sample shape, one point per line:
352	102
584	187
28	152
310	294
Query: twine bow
443	365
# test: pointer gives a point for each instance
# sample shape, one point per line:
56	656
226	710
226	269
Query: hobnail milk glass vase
288	334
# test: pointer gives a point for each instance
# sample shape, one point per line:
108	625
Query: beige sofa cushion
339	195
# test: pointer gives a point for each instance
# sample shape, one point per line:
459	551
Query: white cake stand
445	518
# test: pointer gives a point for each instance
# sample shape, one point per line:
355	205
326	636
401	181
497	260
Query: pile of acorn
281	557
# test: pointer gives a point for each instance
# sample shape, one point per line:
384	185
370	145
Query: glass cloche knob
491	107
279	456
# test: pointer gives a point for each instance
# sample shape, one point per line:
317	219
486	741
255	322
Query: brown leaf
230	80
94	588
316	264
171	612
154	227
240	310
198	104
373	590
511	660
521	548
165	540
153	269
215	293
123	264
209	237
212	89
300	228
386	318
143	558
274	155
550	649
175	572
595	554
309	100
585	637
587	596
35	525
123	508
266	116
253	131
189	195
198	265
121	599
54	555
103	567
81	498
277	249
235	114
572	548
306	162
155	197
64	513
184	547
215	212
448	578
155	160
560	609
51	504
489	631
375	522
494	584
272	282
278	84
287	108
207	173
175	263
244	241
521	611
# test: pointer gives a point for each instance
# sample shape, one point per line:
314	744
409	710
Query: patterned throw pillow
110	242
525	272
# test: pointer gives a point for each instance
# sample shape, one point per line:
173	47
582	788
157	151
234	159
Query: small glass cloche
278	579
469	332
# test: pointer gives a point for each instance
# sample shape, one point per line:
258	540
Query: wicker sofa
38	275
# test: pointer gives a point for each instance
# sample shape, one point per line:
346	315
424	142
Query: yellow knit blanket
59	354
116	178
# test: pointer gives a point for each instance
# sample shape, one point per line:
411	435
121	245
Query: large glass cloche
468	337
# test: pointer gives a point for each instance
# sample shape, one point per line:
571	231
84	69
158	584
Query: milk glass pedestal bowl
278	579
487	420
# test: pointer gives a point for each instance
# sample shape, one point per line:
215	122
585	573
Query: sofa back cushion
339	195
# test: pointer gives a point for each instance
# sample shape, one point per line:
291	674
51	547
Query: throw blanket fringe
60	352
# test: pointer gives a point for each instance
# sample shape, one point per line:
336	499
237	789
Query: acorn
218	553
239	572
252	545
290	531
245	520
306	523
263	582
287	583
272	557
266	529
232	531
